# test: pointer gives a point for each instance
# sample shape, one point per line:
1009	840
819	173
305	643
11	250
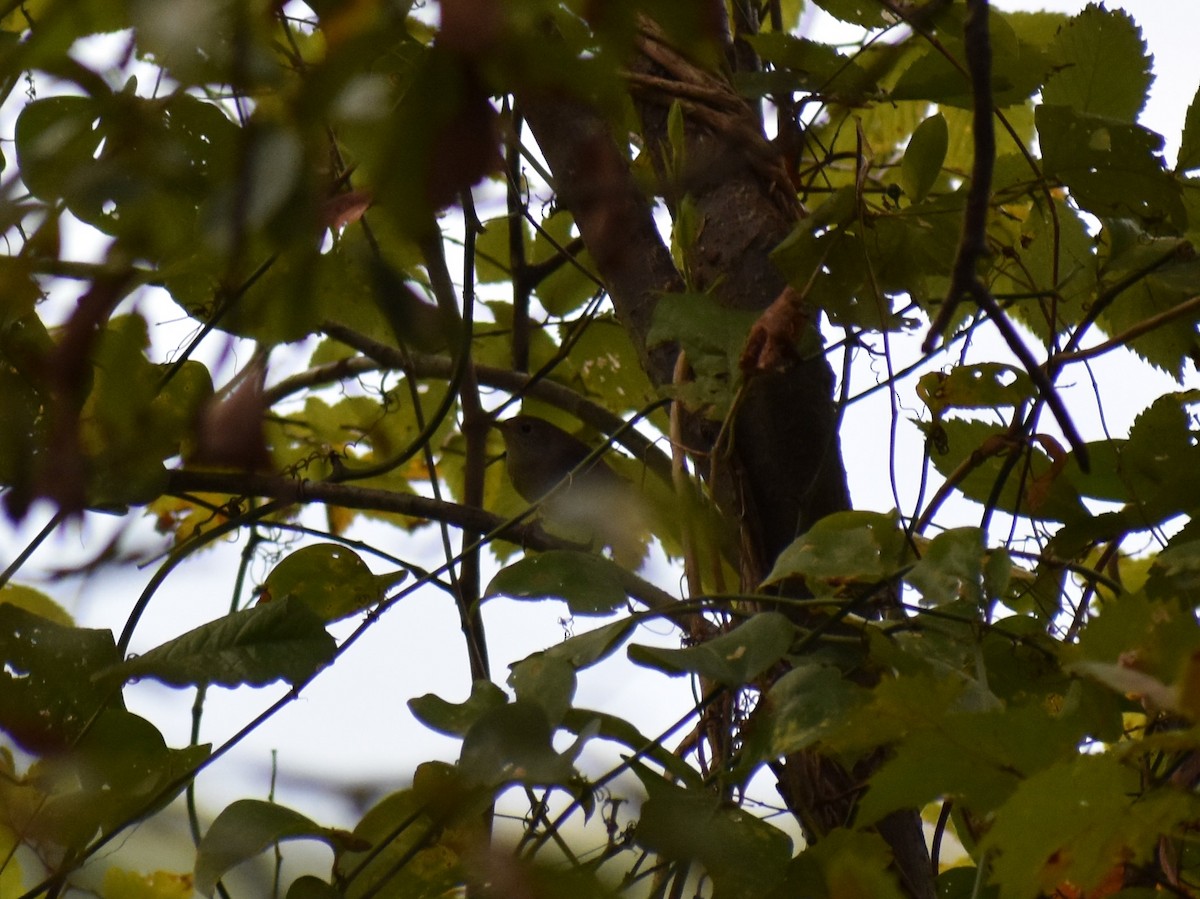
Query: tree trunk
783	469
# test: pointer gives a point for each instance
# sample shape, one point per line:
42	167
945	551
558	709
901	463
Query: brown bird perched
594	500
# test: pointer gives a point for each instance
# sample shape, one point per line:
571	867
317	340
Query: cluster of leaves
276	170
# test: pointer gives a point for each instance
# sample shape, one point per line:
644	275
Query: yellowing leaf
1074	821
37	602
842	549
1187	688
120	883
984	385
330	579
923	158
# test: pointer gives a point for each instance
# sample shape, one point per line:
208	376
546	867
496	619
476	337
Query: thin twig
570	401
972	242
1131	333
972	246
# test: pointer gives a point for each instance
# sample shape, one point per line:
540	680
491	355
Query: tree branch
1132	333
972	245
614	218
423	365
531	536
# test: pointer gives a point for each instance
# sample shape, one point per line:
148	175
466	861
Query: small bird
543	463
540	455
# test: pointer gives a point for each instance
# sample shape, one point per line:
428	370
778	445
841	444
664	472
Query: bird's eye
526	428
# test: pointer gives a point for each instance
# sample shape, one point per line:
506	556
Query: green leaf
1074	822
57	32
609	727
898	706
455	719
963	883
274	159
832	267
370	430
803	65
732	659
1048	494
120	883
122	752
513	744
981	386
1112	168
1175	572
745	857
951	568
842	548
1155	470
493	345
273	641
37	602
330	579
1039	28
311	887
922	163
848	863
939	74
928	768
409	855
1047	252
132	420
56	139
1160	635
315	285
244	829
590	584
804	704
21	326
1126	681
997	573
492	262
220	46
176	404
117	770
151	165
604	362
548	879
439	138
1189	144
1101	65
975	757
590	647
713	337
802	253
545	680
1012	167
1170	346
48	690
910	251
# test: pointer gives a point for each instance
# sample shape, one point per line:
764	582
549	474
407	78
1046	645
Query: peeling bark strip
779	468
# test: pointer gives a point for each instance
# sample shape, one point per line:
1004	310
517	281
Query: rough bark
782	470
